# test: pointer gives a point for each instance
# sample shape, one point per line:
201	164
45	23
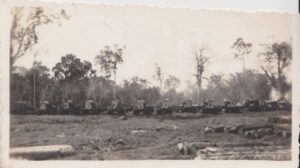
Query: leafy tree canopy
71	68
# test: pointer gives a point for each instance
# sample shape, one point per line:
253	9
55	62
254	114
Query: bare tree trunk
279	80
29	99
244	64
160	85
100	96
201	61
94	89
115	86
100	100
72	90
34	92
199	89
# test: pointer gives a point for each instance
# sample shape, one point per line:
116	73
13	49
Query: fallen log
245	144
283	126
219	129
269	156
186	148
283	134
42	152
272	153
228	153
232	130
242	129
253	148
280	120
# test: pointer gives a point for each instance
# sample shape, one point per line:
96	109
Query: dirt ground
105	137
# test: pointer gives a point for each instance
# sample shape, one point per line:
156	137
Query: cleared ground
105	137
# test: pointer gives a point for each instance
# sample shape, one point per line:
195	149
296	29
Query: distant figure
141	103
115	104
205	102
228	102
209	102
189	103
44	105
183	104
165	104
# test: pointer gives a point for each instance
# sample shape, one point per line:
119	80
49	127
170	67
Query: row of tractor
69	108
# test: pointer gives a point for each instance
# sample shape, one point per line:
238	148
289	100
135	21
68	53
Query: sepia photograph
106	82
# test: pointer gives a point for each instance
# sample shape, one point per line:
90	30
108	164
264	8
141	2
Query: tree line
77	79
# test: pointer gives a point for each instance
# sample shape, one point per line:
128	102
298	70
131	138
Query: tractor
270	105
188	107
277	105
164	108
68	107
208	108
117	108
230	107
283	105
89	107
141	108
47	108
252	105
21	107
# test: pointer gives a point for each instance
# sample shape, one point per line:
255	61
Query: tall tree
242	50
35	79
100	89
158	76
132	90
38	76
216	81
71	68
201	60
24	29
72	72
276	59
108	59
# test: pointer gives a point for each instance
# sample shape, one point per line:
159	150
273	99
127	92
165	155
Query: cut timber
246	153
282	126
280	120
186	148
242	129
267	156
246	144
232	130
42	152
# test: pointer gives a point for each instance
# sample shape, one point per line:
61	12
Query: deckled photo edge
4	47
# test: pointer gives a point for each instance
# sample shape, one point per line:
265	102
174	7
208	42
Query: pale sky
163	36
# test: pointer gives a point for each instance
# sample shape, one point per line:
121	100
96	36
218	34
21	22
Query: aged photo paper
91	85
